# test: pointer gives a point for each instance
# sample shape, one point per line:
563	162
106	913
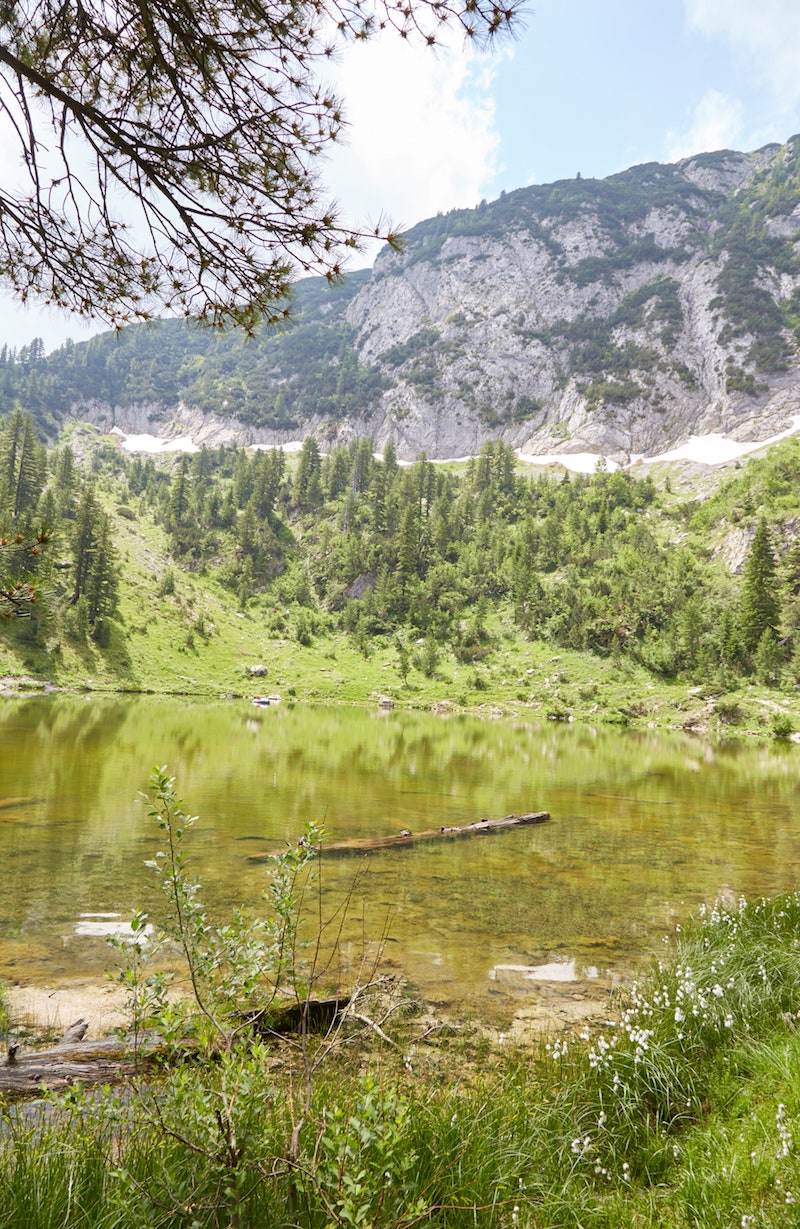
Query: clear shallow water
644	828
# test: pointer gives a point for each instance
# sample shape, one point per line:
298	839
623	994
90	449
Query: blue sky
589	85
599	86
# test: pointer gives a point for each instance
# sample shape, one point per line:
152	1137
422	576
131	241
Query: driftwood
400	840
76	1032
104	1061
109	1060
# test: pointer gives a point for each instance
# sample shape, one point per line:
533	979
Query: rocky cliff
617	316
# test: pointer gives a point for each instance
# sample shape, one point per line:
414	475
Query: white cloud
420	137
716	123
421	133
766	34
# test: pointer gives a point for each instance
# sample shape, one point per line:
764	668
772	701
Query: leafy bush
781	725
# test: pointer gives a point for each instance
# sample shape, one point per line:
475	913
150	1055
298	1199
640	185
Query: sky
589	86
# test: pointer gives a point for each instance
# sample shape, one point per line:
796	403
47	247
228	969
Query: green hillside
345	577
263	380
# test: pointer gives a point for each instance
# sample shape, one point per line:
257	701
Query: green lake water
644	827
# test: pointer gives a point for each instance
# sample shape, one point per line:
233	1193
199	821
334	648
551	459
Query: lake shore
566	687
49	1009
46	1010
682	1111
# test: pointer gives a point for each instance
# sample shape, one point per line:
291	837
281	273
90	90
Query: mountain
617	316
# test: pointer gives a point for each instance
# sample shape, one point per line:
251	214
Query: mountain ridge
616	316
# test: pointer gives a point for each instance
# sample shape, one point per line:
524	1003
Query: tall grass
683	1113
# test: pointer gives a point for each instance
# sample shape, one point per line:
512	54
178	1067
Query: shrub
781	725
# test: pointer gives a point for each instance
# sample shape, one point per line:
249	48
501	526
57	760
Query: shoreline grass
685	1112
528	680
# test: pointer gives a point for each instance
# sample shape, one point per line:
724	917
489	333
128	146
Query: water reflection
556	970
111	926
644	827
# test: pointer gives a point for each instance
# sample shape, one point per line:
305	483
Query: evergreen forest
437	568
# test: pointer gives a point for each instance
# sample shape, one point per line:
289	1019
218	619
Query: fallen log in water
8	804
400	840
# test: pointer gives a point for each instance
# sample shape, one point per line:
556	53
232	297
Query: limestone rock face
618	316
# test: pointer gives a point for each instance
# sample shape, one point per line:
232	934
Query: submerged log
400	840
109	1060
8	804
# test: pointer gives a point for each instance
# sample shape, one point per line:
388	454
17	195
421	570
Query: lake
644	828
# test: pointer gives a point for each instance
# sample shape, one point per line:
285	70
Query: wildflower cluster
784	1134
730	980
559	1048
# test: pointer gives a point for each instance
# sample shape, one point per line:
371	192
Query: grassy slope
196	641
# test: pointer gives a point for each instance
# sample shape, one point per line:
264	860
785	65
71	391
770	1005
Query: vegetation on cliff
665	291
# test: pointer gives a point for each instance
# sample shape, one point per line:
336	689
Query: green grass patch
684	1112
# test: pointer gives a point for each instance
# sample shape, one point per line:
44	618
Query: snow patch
185	443
154	443
718	449
577	462
701	449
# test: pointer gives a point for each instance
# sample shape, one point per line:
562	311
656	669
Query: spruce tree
84	543
30	471
22	467
94	563
102	590
760	609
307	485
768	659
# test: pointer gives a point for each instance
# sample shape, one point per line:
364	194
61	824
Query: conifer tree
768	658
362	466
94	564
22	473
408	545
179	496
390	461
181	520
335	472
84	542
64	470
22	467
760	609
267	475
307	487
102	589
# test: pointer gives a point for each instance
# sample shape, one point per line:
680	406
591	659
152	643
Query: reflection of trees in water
53	746
641	821
54	751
